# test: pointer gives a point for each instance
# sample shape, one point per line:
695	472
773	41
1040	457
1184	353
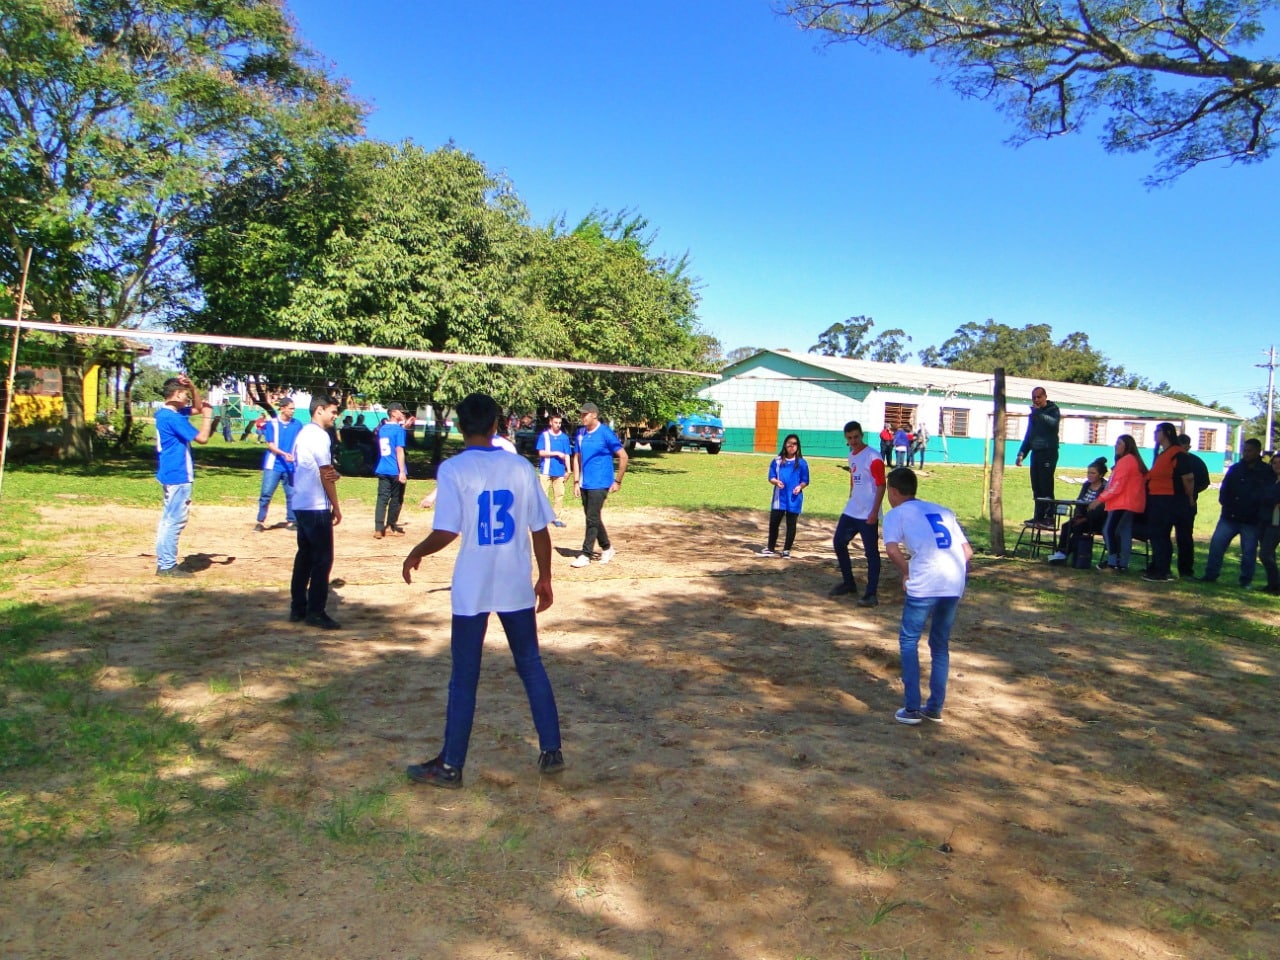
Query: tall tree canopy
1182	77
1028	351
851	341
400	247
117	119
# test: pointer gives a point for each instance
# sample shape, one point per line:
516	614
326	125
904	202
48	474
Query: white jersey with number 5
933	539
493	501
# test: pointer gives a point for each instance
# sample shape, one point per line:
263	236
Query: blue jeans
468	644
915	611
1118	534
270	480
1223	534
312	564
846	527
173	518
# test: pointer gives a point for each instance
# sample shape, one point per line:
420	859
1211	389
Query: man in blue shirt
595	446
277	465
554	453
175	471
391	473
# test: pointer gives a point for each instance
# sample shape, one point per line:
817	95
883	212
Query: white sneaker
581	560
1057	557
766	552
607	555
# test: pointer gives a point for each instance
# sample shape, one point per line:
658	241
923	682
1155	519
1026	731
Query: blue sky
811	183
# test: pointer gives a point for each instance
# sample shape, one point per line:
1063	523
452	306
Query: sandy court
736	785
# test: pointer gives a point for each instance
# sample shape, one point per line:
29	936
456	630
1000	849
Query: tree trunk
126	425
77	435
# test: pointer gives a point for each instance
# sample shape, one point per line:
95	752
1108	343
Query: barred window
954	421
1208	440
1015	426
900	415
1138	431
1097	431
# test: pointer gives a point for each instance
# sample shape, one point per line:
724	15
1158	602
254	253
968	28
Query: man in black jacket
1241	499
1041	442
1184	527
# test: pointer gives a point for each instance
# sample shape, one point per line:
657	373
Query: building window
1097	431
1208	440
899	415
954	422
1138	431
1014	426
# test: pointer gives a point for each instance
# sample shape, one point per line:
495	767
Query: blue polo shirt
174	434
283	435
390	438
558	442
596	450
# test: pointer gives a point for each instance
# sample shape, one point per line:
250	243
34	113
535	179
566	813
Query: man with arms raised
175	471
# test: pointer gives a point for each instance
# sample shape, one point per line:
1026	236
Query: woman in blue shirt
789	475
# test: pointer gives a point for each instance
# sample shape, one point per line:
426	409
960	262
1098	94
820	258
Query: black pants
775	521
1267	544
1071	533
309	589
390	500
1163	513
1043	465
1184	537
592	504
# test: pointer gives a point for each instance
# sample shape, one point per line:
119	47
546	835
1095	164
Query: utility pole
1271	395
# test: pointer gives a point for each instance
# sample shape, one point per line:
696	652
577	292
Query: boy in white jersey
494	502
924	541
861	516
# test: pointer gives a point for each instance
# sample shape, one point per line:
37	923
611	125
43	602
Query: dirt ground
736	785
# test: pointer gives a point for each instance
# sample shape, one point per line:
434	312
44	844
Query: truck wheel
673	444
713	448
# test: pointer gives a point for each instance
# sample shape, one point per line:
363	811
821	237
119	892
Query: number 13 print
495	525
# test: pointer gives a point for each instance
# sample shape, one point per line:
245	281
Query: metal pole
1271	397
13	366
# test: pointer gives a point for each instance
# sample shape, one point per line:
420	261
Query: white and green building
775	392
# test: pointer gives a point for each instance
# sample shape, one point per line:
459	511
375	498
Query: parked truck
693	430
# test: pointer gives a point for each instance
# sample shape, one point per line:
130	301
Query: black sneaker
1103	565
291	525
296	617
321	620
174	572
842	589
550	762
435	773
934	715
258	527
786	554
1158	578
869	600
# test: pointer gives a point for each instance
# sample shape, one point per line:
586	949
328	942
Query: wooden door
766	432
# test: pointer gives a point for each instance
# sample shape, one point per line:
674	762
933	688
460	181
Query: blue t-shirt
390	438
792	473
596	450
174	434
283	435
560	442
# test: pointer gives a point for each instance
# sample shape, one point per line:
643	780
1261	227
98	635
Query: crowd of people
501	509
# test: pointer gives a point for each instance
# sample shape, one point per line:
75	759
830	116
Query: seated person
1084	522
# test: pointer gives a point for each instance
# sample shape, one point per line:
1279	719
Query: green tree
738	354
1181	78
117	117
599	294
1028	351
850	341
